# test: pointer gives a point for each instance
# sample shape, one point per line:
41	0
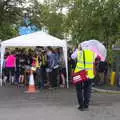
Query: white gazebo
32	40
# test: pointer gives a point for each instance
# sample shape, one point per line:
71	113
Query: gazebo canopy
35	39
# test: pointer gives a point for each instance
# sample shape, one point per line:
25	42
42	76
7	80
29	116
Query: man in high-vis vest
84	88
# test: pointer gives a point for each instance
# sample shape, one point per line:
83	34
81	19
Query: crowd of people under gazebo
47	64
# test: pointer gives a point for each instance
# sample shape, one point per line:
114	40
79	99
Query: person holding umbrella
85	61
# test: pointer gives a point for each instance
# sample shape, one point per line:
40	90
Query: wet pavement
56	104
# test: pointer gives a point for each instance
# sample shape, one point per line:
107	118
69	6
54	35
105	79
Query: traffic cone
31	87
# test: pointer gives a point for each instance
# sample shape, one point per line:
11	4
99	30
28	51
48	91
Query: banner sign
23	30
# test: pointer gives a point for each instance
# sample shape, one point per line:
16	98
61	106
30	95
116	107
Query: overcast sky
41	1
64	11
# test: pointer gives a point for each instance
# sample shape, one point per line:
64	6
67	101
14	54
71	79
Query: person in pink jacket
10	64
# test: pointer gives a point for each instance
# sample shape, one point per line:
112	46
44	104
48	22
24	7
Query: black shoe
81	108
85	107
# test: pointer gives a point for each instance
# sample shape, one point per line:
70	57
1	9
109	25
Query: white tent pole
1	66
2	59
66	63
67	69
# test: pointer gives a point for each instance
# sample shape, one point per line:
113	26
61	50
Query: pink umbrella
96	47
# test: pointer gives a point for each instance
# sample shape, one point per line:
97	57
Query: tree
7	31
93	19
10	13
44	15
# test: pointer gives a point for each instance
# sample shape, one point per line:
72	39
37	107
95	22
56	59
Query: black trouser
9	72
84	92
39	81
54	80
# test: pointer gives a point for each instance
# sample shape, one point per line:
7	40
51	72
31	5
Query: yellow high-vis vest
37	62
89	62
43	60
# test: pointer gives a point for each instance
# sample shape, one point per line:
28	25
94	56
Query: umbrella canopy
96	47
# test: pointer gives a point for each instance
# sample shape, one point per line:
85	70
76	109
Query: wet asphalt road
57	104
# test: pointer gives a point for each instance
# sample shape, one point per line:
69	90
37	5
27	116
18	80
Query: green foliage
86	19
9	15
7	31
94	19
9	11
44	15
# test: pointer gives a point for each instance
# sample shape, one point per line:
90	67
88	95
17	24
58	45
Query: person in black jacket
102	69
